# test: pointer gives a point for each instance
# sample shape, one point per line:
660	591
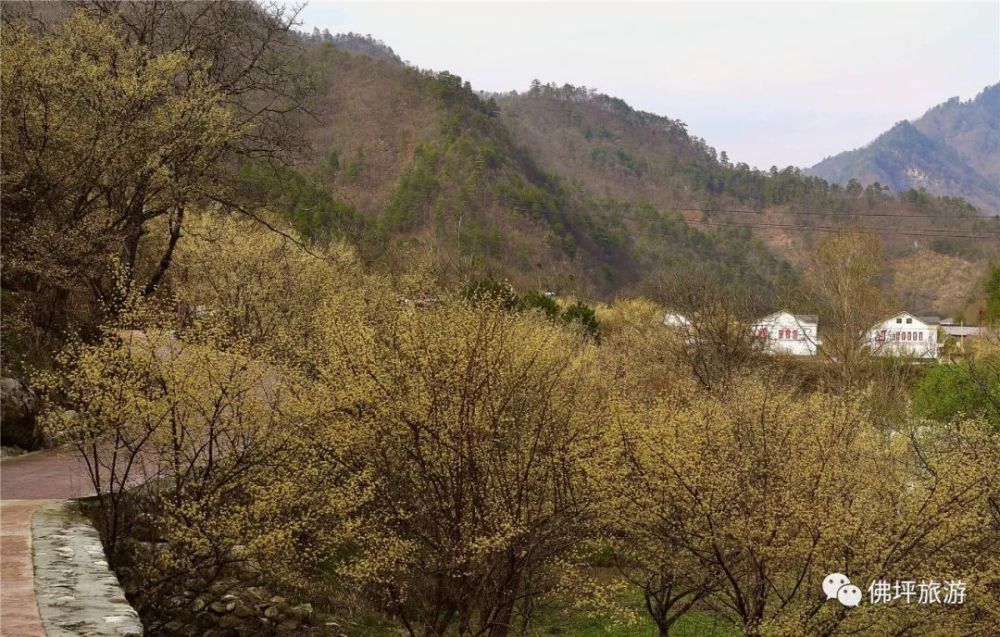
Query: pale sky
770	83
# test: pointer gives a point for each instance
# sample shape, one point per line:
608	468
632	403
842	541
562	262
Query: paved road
18	611
26	483
52	474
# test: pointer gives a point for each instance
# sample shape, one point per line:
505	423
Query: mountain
564	188
953	149
415	165
971	128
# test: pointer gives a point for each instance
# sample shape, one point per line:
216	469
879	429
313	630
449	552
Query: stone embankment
76	592
240	613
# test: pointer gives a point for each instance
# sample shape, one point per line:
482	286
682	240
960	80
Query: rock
217	607
18	415
272	612
198	604
177	601
173	628
204	620
220	588
287	627
243	610
229	621
302	612
196	584
257	594
277	600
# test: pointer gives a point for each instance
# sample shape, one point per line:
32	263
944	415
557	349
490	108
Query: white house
787	333
905	335
673	319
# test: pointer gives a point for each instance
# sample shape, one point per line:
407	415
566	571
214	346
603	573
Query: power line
910	233
924	232
831	213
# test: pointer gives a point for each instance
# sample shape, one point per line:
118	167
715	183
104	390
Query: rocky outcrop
18	415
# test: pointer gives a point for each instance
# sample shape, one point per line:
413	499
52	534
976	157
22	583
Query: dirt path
26	483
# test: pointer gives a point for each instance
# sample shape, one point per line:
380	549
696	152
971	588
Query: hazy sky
770	83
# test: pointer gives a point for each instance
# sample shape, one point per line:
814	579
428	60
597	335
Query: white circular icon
832	584
849	595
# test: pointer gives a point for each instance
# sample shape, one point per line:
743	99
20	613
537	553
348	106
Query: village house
787	333
673	319
905	335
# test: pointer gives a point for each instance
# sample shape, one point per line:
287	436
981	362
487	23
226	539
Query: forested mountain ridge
953	149
416	165
565	188
971	128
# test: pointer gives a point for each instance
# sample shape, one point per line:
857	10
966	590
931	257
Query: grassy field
554	618
574	623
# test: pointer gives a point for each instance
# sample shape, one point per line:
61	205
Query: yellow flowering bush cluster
259	406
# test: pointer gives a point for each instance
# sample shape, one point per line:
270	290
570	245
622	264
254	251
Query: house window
921	336
795	335
762	333
899	320
909	321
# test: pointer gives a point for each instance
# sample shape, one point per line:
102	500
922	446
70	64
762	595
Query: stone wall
76	592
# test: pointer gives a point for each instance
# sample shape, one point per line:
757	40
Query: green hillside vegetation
570	190
566	189
438	175
616	152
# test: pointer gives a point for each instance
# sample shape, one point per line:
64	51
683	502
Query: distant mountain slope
564	188
954	149
357	44
611	148
435	173
971	128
